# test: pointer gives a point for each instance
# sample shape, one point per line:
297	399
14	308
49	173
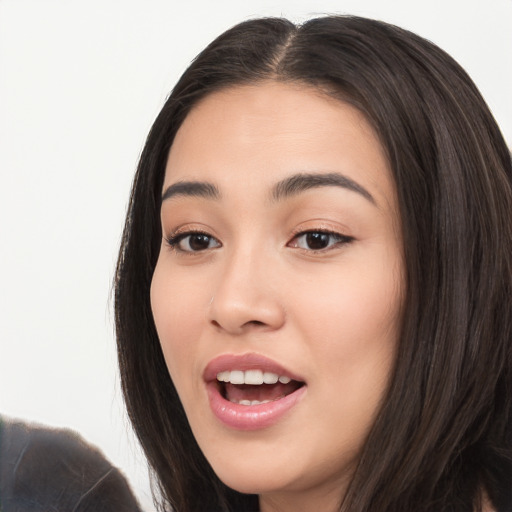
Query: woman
313	294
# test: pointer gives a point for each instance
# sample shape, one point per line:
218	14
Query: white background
80	84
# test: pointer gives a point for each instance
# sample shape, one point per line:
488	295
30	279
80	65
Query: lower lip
251	417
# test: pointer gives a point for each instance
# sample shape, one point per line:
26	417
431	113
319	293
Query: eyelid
189	229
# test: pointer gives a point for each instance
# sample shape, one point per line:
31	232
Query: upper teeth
254	377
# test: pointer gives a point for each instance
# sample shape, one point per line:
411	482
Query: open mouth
250	392
255	387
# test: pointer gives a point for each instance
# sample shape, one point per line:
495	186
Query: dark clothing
55	470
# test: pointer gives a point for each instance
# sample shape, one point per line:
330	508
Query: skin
331	316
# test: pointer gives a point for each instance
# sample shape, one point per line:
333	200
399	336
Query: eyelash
174	241
339	239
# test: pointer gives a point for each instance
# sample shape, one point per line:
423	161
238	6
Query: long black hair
442	437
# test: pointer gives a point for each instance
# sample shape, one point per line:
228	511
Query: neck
318	498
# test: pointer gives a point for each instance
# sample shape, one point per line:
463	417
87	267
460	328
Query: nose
246	296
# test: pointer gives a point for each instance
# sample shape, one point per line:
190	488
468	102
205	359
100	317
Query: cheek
176	304
358	298
353	320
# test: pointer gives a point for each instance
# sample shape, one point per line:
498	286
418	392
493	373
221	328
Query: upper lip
244	362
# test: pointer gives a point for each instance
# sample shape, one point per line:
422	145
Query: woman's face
280	261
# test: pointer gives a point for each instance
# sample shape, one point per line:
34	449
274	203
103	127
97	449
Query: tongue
237	392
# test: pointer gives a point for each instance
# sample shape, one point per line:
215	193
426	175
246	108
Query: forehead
263	132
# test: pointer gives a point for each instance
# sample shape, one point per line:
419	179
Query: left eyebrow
298	183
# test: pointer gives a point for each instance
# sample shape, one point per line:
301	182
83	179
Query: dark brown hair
443	433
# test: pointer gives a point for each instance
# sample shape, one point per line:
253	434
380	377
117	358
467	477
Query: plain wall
80	84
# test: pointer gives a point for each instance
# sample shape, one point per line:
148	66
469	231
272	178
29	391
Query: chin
249	482
255	471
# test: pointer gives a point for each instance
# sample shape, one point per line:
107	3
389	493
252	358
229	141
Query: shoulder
55	469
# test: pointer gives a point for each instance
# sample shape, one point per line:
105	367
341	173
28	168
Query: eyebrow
192	189
300	182
288	187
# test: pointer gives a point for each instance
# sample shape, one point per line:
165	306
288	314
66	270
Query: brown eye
193	242
198	242
319	240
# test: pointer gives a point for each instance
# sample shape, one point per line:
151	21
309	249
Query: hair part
442	435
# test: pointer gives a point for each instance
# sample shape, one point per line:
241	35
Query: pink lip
248	417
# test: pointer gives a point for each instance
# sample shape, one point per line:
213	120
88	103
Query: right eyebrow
192	189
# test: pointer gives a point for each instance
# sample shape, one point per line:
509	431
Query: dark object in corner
55	470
